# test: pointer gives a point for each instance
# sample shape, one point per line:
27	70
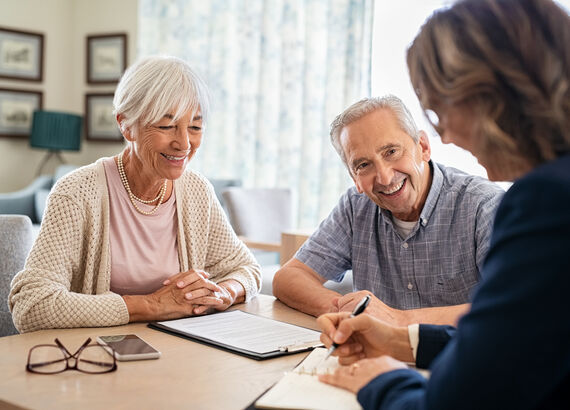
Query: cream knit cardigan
66	279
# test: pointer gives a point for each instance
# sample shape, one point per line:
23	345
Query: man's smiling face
387	164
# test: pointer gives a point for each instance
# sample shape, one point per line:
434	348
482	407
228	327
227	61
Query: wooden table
188	375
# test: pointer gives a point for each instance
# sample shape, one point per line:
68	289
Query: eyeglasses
51	359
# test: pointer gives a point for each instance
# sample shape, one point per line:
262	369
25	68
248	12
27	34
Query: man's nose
384	175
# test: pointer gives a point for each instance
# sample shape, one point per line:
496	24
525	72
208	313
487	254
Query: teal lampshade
56	131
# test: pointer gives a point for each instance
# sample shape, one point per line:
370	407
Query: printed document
245	332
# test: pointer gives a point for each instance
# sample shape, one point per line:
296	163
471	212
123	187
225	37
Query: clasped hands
192	293
368	348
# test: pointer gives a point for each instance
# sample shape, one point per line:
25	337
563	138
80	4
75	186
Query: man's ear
424	146
126	131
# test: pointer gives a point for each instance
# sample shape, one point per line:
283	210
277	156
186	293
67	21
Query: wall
65	25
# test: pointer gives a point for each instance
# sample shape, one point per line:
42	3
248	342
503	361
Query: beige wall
65	25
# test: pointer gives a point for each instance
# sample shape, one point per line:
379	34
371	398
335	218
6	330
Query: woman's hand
204	294
198	291
364	336
359	374
184	294
167	302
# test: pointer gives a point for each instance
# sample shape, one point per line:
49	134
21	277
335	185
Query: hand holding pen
357	310
363	336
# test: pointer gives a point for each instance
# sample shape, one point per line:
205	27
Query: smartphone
129	347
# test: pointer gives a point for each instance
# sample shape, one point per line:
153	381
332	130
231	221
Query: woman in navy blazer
494	78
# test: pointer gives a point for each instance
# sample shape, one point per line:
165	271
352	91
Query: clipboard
243	333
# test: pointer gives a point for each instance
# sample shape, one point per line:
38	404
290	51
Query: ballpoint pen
357	311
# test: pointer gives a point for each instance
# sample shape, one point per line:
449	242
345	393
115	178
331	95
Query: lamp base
51	153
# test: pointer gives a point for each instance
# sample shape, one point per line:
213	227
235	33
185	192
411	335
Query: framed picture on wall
21	55
17	110
100	123
106	58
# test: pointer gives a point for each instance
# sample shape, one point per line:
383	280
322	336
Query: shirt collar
433	195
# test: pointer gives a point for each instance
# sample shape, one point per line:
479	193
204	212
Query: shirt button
410	286
405	245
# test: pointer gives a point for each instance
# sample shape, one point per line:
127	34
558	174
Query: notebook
301	388
244	333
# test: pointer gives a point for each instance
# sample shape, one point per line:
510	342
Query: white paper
301	388
245	331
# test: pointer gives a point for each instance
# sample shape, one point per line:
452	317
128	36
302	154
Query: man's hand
375	308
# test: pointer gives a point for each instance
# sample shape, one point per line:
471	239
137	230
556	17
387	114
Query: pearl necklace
132	196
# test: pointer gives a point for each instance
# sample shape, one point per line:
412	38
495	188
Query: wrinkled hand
359	374
363	336
199	292
376	308
167	302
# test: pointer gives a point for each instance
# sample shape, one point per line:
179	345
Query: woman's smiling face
165	147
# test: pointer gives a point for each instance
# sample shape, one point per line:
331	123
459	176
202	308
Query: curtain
278	71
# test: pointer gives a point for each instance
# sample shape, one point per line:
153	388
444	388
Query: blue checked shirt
437	264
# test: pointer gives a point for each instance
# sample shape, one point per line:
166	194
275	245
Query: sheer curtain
279	71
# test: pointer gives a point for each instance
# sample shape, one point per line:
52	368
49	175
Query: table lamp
55	131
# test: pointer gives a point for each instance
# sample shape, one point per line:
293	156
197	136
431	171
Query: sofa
31	200
16	238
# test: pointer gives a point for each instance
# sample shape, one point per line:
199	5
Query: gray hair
365	106
156	86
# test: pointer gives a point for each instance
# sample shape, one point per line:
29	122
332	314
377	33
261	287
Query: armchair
263	219
259	216
23	201
220	185
16	240
31	200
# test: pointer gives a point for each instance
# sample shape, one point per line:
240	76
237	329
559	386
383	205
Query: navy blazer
512	350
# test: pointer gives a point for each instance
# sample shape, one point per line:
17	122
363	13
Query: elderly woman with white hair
137	237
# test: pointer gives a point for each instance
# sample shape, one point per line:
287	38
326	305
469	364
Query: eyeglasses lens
47	359
94	359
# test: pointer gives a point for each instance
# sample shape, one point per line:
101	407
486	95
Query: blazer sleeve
432	341
512	350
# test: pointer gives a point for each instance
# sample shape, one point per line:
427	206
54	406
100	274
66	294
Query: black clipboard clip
297	347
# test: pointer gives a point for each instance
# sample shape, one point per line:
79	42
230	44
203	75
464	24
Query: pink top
144	248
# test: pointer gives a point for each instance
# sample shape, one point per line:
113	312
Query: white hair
156	86
365	106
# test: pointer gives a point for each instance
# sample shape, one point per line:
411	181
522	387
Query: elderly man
414	232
